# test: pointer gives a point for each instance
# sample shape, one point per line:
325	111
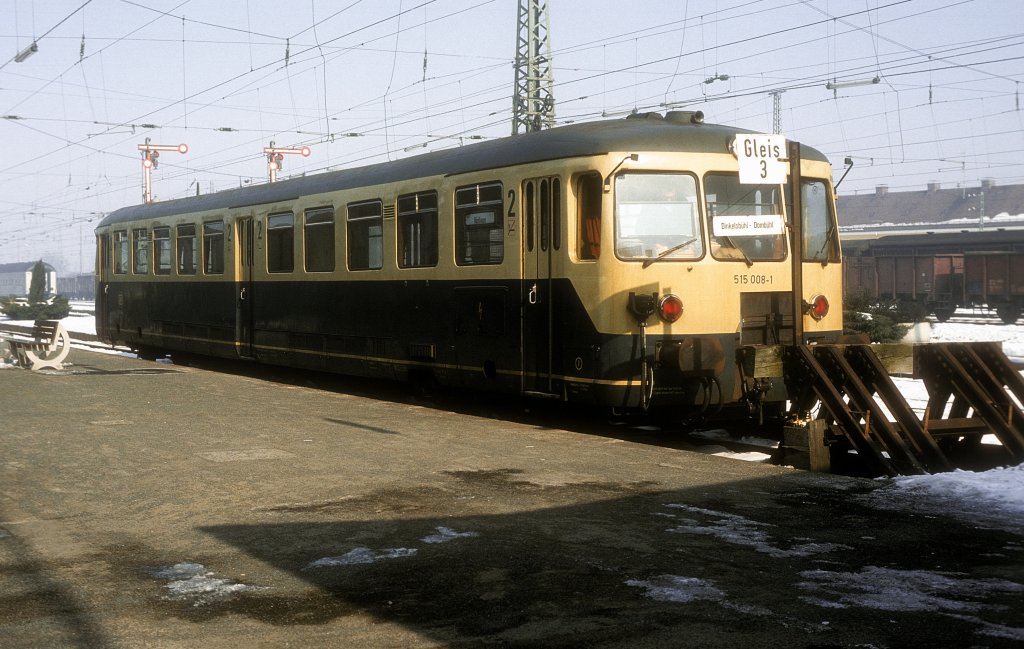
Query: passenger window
545	215
213	247
479	224
528	200
162	251
121	252
140	247
280	242
417	230
588	205
318	236
104	257
186	249
365	235
556	213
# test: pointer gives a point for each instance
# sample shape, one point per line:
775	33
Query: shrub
879	320
56	309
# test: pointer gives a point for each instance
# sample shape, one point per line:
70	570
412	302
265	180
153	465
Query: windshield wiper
666	253
828	240
743	252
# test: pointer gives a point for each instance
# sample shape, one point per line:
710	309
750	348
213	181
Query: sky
361	82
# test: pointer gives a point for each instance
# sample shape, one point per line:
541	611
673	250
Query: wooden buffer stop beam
845	406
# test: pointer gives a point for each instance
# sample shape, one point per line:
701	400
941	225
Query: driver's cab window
818	226
656	217
745	221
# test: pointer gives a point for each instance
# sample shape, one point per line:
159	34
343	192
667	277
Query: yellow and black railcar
616	262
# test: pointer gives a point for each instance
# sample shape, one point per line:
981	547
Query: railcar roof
637	133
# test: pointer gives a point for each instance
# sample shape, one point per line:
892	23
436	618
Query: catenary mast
533	103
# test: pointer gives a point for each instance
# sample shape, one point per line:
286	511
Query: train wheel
944	313
1008	313
149	353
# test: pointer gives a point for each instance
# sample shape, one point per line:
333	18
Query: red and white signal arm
762	158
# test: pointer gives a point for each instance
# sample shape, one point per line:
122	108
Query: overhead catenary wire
370	128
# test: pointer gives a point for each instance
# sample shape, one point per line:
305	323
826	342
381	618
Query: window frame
374	242
417	222
122	252
162	244
280	252
179	258
589	226
743	254
659	242
484	197
318	230
829	237
210	252
140	251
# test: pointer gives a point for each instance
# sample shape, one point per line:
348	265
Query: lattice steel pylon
533	104
776	111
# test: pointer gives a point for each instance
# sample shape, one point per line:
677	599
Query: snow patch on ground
886	589
193	582
362	556
992	499
743	531
445	534
674	588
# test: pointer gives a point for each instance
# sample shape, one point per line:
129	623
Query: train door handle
532	295
241	295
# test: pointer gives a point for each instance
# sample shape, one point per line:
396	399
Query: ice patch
673	588
747	456
193	582
4	534
361	556
445	534
722	434
742	531
179	571
885	589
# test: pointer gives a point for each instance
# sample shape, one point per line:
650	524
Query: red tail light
818	307
670	308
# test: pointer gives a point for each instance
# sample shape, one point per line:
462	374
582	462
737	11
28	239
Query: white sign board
747	225
761	158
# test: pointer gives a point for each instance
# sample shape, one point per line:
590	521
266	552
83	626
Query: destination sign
747	225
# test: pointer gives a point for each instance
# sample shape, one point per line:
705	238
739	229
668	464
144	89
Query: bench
48	346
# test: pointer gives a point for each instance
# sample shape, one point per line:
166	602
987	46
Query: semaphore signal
150	156
275	158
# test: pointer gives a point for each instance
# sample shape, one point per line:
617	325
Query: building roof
23	267
933	205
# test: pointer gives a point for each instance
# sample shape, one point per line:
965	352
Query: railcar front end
696	266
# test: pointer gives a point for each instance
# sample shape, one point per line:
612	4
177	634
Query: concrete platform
151	505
